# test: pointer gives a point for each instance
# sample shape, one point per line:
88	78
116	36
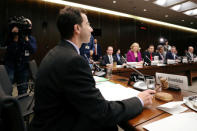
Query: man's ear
77	29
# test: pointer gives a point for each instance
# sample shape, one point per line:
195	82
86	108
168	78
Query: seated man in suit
108	59
161	53
172	55
118	57
148	56
190	53
65	95
97	51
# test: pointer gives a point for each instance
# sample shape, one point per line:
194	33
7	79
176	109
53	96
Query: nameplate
173	80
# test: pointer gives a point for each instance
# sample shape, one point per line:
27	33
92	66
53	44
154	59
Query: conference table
150	114
186	69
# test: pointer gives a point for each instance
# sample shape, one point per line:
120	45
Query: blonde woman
134	54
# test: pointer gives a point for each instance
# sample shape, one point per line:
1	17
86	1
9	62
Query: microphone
97	67
190	58
138	84
147	58
125	61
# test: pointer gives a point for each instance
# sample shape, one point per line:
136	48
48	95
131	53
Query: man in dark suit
109	58
65	95
161	53
97	51
190	53
119	58
148	56
172	55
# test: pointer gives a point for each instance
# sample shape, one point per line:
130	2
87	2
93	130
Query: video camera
22	23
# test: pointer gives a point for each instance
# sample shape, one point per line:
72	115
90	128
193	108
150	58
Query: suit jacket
189	57
119	61
170	56
146	56
131	56
105	60
66	98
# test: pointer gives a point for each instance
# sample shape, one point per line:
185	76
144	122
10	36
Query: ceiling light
184	6
189	12
146	0
191	23
166	16
176	7
145	10
114	2
106	11
161	39
160	2
183	20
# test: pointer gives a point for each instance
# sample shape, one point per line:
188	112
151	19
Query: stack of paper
115	92
178	122
173	107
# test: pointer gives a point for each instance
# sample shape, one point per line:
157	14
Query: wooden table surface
187	69
150	114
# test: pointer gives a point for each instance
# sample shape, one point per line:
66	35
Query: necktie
174	56
151	57
95	50
110	59
162	57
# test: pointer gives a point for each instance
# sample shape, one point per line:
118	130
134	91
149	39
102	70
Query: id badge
87	47
26	52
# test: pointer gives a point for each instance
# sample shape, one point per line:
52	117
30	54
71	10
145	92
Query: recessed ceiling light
191	12
160	2
114	2
183	20
146	0
145	10
166	16
184	6
176	7
191	23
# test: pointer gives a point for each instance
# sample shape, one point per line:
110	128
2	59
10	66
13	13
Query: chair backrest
33	69
10	115
5	81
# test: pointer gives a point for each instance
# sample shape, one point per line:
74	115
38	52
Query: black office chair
10	115
25	100
33	68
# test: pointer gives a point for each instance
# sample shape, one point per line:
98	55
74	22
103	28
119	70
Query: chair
10	114
25	101
33	68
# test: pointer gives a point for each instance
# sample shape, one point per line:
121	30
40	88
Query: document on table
100	79
115	92
173	107
178	122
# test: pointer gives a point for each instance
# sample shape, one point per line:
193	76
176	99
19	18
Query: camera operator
20	45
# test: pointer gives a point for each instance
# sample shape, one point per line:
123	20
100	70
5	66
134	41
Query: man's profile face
109	50
85	29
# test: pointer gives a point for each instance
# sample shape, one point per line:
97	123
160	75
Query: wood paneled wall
116	31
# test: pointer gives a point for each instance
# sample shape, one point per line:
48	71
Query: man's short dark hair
151	46
68	17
